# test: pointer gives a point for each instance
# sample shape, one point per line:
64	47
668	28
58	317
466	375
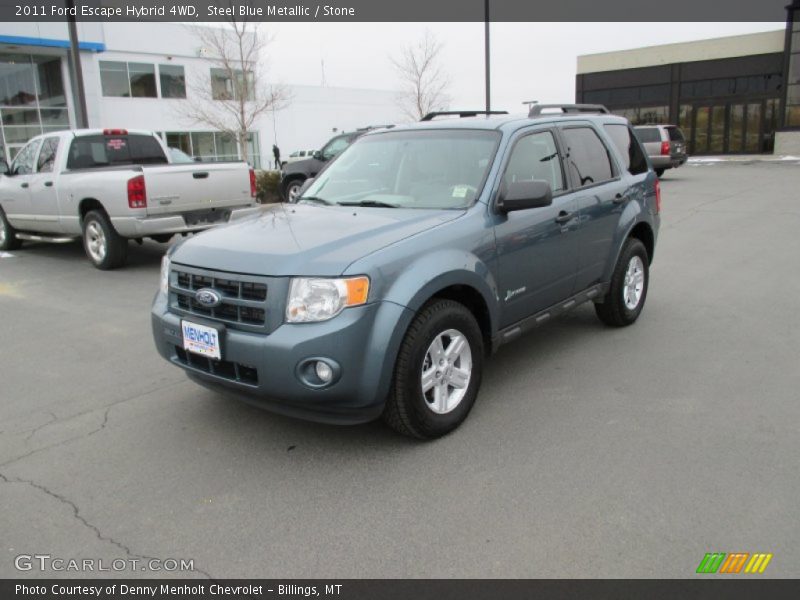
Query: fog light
324	371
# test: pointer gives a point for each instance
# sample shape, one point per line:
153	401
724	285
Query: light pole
81	118
486	55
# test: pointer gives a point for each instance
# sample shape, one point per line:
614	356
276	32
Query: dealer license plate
201	339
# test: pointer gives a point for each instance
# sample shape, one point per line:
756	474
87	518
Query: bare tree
424	82
234	92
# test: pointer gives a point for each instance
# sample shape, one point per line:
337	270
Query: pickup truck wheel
8	236
438	372
626	295
104	246
292	190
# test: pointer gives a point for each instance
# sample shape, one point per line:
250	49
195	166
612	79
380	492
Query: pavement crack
76	513
53	419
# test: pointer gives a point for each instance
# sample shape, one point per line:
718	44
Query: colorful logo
720	562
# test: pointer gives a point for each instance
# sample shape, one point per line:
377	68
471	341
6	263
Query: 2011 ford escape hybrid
413	256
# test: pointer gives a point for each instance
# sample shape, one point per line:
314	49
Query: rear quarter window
648	134
628	146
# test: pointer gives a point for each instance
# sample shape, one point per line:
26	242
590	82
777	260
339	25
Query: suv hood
304	239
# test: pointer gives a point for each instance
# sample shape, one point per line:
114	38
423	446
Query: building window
173	81
128	80
231	85
214	145
32	100
644	115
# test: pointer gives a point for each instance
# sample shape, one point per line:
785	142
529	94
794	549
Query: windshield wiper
315	199
378	203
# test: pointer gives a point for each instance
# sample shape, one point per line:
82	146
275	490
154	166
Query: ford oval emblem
208	298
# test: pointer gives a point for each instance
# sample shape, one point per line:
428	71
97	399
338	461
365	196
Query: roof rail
461	113
568	109
370	127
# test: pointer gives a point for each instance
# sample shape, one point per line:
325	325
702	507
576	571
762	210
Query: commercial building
143	76
738	94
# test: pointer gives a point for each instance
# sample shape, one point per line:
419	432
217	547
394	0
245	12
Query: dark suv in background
294	174
664	144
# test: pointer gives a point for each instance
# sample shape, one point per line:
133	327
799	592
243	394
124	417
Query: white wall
307	122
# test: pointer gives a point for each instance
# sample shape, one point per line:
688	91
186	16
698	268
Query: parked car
664	144
298	155
294	174
111	185
408	261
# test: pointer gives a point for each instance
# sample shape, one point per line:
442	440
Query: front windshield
409	169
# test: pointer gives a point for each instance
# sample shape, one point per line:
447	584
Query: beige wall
726	47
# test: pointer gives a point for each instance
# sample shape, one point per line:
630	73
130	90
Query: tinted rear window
675	134
628	146
648	134
91	151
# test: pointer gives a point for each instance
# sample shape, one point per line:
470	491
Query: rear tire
624	301
8	235
438	371
105	248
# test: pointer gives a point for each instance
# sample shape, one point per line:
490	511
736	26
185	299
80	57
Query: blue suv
411	258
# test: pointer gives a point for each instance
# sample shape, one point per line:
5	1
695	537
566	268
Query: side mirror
522	195
4	170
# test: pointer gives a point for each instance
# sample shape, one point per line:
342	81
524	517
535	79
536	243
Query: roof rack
370	127
568	109
461	113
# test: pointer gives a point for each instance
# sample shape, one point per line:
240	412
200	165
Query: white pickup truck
112	185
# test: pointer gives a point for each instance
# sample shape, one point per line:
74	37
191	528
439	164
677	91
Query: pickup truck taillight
658	196
137	195
664	148
252	183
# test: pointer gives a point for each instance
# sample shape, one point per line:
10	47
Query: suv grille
243	297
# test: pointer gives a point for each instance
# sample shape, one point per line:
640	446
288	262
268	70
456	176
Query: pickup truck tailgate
196	186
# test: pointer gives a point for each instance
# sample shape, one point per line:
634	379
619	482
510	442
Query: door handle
564	217
620	198
200	175
48	184
23	185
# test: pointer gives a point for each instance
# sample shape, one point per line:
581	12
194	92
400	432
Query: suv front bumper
362	341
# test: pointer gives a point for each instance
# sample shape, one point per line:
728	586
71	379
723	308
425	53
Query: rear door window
87	152
47	155
587	156
629	148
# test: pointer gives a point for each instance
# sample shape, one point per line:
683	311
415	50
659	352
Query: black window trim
518	135
612	159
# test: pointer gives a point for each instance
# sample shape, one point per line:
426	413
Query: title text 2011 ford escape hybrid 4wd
419	251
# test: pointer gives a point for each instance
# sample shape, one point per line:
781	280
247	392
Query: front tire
8	235
292	190
105	248
438	372
627	292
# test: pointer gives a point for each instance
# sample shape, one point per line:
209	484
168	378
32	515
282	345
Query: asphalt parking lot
591	452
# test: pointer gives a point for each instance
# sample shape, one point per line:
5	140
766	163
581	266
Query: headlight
318	299
164	282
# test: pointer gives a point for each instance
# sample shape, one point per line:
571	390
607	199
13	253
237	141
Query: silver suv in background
664	144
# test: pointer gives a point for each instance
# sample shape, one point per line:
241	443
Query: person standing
276	152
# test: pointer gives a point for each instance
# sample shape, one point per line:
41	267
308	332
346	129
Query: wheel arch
87	205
